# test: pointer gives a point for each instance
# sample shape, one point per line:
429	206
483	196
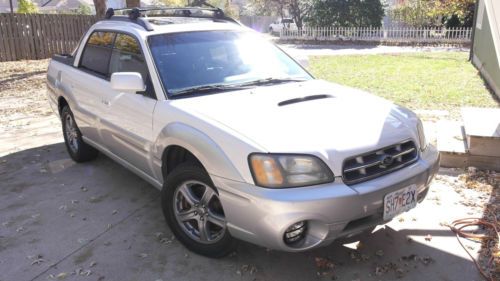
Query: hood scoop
302	99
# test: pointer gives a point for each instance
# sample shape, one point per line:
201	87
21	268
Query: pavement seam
91	240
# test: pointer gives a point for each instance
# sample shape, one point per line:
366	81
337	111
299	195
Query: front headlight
282	170
421	135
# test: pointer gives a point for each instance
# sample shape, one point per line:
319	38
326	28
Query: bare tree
100	8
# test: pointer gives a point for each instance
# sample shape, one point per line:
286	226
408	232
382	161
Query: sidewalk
334	50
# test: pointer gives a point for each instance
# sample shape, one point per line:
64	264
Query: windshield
193	60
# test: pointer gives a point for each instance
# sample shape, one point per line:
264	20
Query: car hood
317	117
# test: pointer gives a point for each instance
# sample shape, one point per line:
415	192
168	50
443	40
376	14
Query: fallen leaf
379	253
87	272
37	261
61	275
93	263
322	263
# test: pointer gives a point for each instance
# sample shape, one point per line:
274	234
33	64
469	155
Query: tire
77	149
190	202
271	31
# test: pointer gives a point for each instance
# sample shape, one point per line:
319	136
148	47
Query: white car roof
160	25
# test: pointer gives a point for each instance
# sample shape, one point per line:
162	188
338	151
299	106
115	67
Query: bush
346	13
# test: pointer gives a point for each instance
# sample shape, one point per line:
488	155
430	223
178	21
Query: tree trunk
133	3
100	8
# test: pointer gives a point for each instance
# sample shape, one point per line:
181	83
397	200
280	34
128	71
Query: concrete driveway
98	221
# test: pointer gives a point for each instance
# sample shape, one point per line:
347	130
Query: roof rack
139	15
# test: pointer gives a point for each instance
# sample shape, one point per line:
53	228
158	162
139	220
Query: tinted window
97	52
127	56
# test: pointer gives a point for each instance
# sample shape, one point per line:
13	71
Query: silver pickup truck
241	140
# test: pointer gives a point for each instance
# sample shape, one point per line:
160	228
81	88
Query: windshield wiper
206	89
271	80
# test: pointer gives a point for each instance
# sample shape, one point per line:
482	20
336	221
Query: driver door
127	125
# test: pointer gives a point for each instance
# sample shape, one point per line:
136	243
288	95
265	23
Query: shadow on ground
98	221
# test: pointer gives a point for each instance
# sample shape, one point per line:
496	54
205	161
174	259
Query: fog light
295	232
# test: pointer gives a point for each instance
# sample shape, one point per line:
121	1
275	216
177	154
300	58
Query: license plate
400	201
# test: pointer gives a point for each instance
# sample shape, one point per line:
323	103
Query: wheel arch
61	103
179	142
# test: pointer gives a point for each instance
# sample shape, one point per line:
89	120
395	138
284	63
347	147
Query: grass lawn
444	81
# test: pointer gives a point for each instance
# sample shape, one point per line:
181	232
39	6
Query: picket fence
383	34
39	36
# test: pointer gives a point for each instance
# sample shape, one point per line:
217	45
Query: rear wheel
193	210
78	150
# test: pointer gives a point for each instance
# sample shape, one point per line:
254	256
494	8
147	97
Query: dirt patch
24	109
22	88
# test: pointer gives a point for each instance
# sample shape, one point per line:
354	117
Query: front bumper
261	216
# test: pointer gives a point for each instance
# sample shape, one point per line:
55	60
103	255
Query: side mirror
127	82
303	60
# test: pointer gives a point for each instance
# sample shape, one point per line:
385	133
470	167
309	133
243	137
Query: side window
127	57
97	52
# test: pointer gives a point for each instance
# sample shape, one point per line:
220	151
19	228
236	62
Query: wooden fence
40	36
398	35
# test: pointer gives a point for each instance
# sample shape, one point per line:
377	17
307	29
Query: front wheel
194	213
77	148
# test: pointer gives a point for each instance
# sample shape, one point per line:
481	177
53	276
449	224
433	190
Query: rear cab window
97	53
108	52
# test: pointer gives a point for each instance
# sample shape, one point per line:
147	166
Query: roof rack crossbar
138	15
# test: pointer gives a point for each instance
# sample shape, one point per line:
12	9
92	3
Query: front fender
210	154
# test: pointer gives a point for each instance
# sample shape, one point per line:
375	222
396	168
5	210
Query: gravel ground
98	221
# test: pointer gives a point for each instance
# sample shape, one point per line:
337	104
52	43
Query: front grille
379	162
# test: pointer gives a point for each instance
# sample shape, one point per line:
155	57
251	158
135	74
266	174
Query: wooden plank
32	36
72	33
10	32
22	33
39	46
19	35
49	35
41	39
15	41
64	33
5	38
60	35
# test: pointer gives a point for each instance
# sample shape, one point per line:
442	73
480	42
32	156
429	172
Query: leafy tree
27	7
435	12
346	13
84	9
262	8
